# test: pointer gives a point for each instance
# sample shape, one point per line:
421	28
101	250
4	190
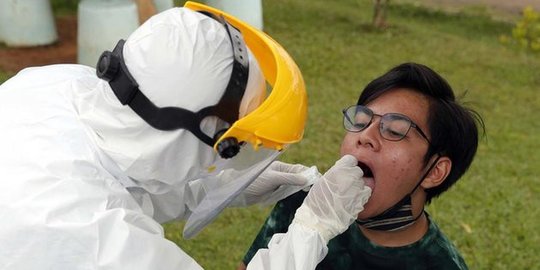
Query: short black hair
453	127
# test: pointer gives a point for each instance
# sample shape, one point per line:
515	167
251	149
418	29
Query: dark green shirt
352	250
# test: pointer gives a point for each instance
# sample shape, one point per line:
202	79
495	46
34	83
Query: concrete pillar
249	11
25	23
162	5
101	24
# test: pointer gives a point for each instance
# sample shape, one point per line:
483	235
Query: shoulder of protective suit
47	75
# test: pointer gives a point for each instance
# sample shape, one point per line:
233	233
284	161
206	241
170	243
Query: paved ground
65	50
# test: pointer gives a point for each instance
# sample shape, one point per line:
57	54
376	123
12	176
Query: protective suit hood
179	58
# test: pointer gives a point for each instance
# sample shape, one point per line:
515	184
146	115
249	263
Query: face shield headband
265	132
112	68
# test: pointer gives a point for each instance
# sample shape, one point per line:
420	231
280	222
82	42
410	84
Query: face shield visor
244	144
262	134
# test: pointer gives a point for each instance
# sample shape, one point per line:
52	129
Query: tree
379	13
146	9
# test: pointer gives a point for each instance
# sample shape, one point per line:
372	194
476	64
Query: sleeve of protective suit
194	194
300	248
329	208
128	240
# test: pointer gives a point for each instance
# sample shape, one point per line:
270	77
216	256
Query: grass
4	76
64	7
492	214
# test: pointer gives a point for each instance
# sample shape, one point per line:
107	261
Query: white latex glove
335	200
277	182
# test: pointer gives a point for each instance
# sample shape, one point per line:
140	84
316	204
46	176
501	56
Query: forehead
404	101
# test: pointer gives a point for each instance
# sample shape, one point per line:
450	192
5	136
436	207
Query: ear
438	173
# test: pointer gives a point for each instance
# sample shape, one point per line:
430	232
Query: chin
366	213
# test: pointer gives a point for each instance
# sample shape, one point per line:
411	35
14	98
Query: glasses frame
412	124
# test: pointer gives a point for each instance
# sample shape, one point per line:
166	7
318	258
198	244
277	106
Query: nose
369	137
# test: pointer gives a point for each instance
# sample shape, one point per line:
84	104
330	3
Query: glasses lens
356	118
394	127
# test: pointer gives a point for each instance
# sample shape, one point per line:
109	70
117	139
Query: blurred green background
492	214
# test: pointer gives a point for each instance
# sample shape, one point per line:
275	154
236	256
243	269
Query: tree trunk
379	13
146	9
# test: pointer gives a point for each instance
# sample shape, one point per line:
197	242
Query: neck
407	235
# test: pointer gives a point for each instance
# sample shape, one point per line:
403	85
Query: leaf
466	227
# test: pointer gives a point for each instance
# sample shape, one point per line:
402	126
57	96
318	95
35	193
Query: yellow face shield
262	134
280	119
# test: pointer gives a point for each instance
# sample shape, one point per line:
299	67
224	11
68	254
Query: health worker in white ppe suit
174	124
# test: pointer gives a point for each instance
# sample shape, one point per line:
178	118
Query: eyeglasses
393	126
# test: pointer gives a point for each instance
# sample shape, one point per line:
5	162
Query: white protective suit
86	182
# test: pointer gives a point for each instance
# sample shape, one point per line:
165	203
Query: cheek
343	150
393	181
346	147
404	167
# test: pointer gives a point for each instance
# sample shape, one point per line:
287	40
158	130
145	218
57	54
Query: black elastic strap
127	91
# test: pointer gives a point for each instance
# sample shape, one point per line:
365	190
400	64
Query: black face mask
399	215
395	218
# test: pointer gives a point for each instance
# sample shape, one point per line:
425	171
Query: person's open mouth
368	174
366	169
